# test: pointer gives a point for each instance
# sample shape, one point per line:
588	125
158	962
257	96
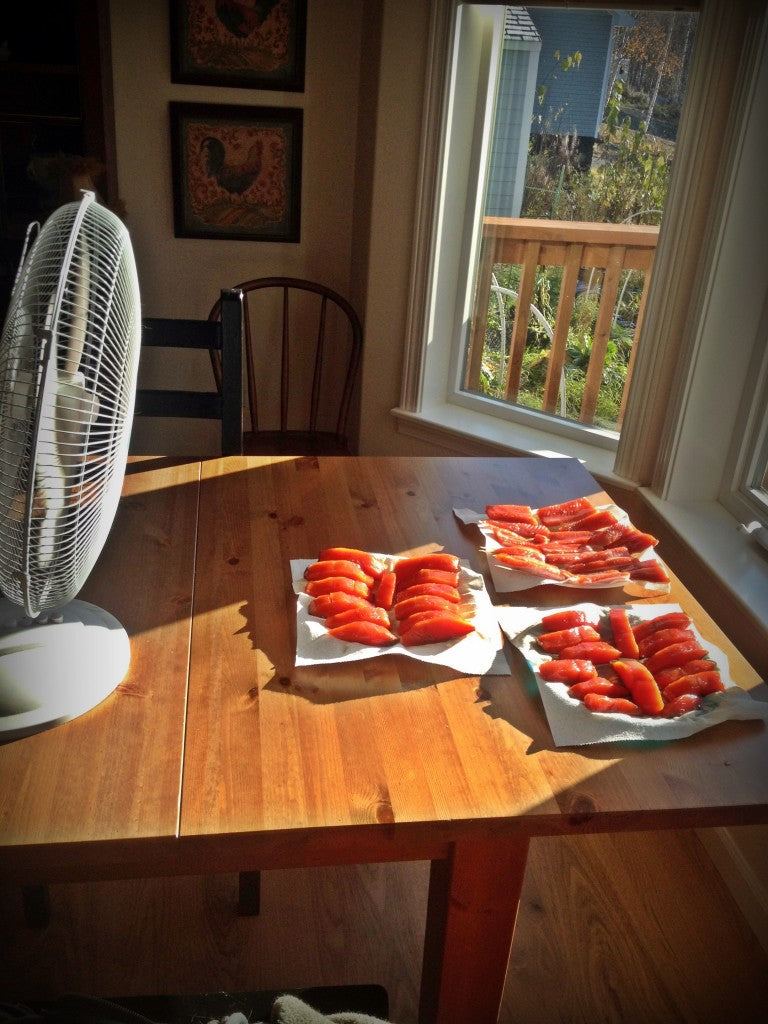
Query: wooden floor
637	929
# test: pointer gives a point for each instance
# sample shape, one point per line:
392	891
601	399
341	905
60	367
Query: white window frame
742	491
445	248
746	492
460	86
686	402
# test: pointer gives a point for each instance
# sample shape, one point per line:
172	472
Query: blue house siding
509	152
575	99
512	120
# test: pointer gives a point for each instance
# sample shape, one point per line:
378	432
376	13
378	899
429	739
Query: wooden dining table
218	754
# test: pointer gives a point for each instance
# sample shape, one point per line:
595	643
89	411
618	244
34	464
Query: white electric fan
69	354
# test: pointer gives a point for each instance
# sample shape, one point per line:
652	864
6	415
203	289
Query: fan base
53	672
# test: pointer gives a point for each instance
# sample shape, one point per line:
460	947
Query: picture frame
260	44
236	171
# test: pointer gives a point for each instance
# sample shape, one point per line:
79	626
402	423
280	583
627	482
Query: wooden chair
303	343
222	337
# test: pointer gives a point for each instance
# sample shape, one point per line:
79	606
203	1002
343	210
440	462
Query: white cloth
292	1010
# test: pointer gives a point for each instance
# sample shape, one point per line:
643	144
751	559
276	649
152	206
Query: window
581	148
549	327
708	269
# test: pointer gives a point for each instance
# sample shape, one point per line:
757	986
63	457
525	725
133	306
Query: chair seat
293	442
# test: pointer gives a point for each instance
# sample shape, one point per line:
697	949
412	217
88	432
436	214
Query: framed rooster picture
236	171
253	44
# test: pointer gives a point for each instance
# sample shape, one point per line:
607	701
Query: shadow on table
359	680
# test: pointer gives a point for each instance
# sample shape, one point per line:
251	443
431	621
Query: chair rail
572	245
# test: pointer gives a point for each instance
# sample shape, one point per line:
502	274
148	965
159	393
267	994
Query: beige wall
362	116
404	27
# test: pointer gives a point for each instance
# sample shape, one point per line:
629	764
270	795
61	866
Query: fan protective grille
68	361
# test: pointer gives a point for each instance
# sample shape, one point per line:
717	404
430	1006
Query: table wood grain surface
114	773
390	741
383	759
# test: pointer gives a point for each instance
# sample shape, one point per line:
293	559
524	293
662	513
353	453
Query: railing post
559	343
635	340
608	294
479	325
522	319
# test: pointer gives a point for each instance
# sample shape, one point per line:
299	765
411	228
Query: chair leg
37	905
249	893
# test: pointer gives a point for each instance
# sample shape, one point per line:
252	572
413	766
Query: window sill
733	557
739	564
472	433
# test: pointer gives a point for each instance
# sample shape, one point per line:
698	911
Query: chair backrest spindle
317	376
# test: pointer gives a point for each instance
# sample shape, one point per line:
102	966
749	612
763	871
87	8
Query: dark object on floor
196	1009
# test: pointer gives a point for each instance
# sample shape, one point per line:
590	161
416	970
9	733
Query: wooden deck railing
574	246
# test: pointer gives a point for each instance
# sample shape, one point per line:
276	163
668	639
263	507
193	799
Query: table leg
37	905
473	901
249	893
